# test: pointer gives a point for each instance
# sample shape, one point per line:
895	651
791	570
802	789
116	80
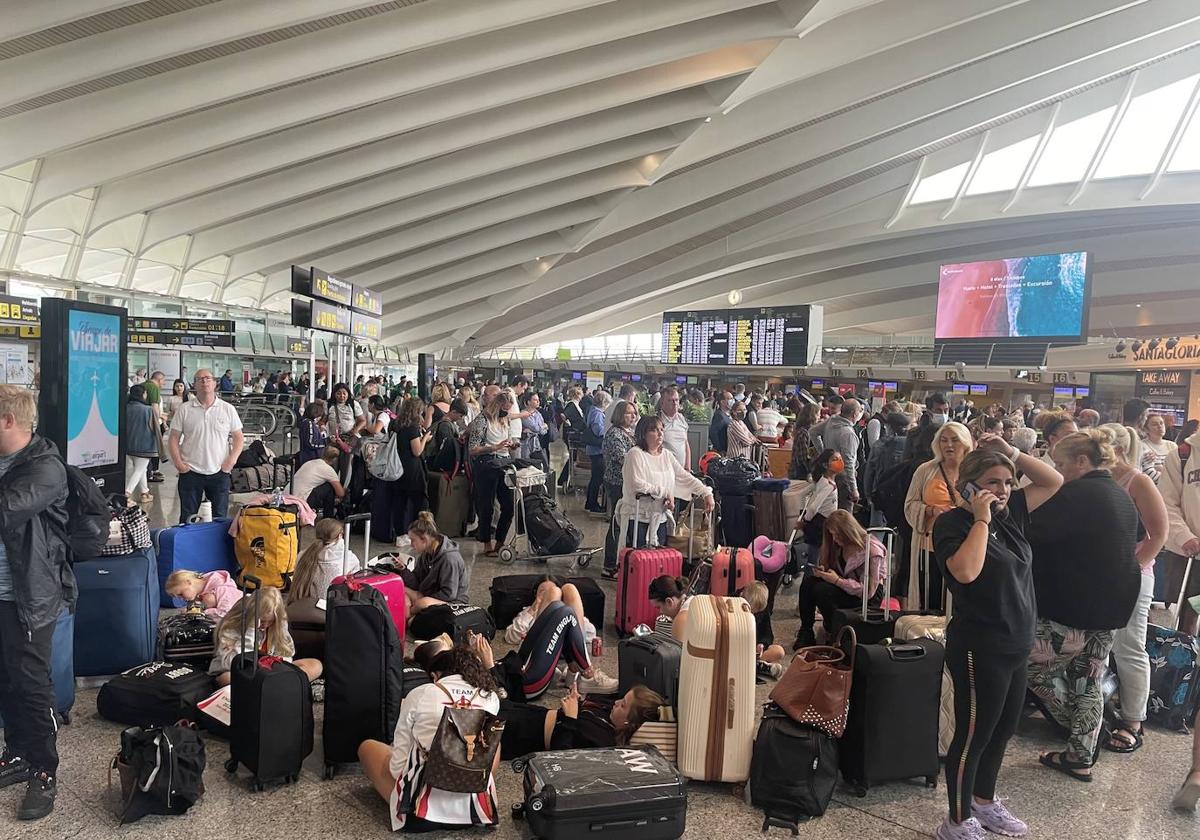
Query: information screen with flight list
767	336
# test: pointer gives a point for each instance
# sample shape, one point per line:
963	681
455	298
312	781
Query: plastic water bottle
277	497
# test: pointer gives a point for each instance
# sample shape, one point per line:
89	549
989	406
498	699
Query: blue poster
94	389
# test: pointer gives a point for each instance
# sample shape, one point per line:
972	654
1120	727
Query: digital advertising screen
767	336
94	389
1040	297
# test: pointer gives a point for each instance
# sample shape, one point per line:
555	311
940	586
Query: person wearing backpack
886	452
36	584
397	770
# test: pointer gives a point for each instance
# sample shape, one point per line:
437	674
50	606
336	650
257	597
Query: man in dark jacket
36	584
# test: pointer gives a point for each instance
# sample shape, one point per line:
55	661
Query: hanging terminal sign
183	339
205	326
318	315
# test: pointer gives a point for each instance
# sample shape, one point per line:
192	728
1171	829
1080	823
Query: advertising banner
94	389
170	362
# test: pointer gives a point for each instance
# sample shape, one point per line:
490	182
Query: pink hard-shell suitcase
636	567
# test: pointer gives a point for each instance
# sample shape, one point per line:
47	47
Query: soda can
597	646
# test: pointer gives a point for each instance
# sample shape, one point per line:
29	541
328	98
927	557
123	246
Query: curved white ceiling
518	172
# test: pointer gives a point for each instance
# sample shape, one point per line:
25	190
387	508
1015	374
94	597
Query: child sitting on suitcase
547	593
215	590
770	655
326	557
270	638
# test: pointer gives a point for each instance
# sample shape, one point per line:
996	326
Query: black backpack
254	455
161	769
793	770
891	489
88	515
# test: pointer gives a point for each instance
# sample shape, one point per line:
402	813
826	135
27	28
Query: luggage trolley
510	552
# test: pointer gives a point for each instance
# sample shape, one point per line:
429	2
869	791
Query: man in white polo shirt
675	433
206	440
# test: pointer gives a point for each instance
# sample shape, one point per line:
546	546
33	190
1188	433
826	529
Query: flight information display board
781	336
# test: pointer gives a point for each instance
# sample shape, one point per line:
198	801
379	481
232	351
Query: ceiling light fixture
709	119
735	297
1138	305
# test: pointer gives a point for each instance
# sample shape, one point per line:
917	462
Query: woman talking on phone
987	562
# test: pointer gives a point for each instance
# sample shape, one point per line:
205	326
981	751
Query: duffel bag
548	527
154	694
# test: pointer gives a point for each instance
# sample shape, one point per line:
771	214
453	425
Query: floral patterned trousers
1066	667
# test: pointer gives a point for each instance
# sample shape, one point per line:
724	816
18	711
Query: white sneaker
600	683
563	673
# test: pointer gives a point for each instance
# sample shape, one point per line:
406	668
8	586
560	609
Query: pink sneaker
968	829
997	819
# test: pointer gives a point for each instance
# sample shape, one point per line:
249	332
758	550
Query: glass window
1145	130
940	186
999	171
1071	148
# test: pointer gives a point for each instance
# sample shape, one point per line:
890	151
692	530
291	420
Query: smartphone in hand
969	490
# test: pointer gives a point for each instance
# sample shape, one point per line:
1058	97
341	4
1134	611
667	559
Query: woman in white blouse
652	470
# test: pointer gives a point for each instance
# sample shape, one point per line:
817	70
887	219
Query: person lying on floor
269	638
516	632
556	634
440	574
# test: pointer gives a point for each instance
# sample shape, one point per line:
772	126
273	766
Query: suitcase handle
886	584
905	653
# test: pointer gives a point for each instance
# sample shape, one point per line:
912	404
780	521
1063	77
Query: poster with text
1022	297
169	362
94	389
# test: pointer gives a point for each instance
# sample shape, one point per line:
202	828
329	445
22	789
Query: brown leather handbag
815	689
463	749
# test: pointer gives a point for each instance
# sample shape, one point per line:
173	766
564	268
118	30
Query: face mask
938	419
502	413
836	465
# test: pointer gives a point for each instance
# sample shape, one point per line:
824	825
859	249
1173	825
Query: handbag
129	529
386	465
815	689
693	544
463	749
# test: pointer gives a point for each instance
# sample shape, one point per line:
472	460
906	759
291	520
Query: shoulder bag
815	689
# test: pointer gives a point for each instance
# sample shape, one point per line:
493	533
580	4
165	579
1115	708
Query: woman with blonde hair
1129	643
270	637
1087	582
326	557
848	561
467	394
930	494
490	444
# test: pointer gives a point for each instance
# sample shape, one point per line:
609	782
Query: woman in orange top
930	495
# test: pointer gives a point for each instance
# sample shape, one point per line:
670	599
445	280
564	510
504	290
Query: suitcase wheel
64	718
860	791
329	770
231	765
536	804
931	781
507	555
257	786
583	559
518	765
518	811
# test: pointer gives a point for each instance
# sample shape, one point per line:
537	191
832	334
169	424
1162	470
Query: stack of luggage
733	479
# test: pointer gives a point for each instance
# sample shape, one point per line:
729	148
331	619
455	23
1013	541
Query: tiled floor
1129	799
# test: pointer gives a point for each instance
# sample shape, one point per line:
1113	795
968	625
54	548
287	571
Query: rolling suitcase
62	666
793	771
732	571
1174	668
450	500
716	690
271	718
199	547
768	507
268	543
389	584
186	637
457	621
116	616
625	793
736	520
636	567
306	623
652	661
364	667
892	727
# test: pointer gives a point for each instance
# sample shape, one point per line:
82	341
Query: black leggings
817	594
556	633
989	693
595	482
489	489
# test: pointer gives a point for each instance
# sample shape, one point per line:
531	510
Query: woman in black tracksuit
987	564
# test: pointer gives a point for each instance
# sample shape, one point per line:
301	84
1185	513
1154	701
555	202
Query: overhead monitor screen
1042	297
772	336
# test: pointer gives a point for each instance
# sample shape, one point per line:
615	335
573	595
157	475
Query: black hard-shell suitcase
892	727
513	593
652	661
626	793
737	521
793	770
271	717
186	637
364	666
457	621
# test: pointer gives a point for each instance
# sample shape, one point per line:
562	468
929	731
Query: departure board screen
768	336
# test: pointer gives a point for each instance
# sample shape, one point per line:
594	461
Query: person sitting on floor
317	482
270	637
326	557
215	591
440	573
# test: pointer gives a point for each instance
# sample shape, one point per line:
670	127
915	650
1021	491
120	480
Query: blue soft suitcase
116	619
62	665
199	547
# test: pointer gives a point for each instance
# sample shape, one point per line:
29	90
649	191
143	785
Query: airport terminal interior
924	212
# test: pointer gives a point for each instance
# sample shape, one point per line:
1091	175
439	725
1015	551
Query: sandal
1118	743
1059	761
147	498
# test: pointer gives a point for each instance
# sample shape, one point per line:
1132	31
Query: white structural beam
427	25
479	268
326	246
81	60
855	81
25	17
469	113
